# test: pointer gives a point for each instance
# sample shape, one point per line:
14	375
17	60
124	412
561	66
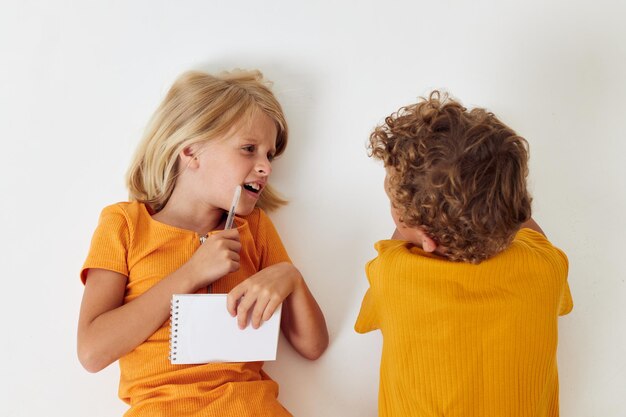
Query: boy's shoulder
532	237
393	249
387	245
534	240
530	241
527	242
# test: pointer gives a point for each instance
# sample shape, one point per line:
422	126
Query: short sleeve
566	303
270	246
110	243
558	260
367	319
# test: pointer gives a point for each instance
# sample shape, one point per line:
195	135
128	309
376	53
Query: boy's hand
216	257
261	294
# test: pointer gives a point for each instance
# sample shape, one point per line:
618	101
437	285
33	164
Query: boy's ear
428	244
418	237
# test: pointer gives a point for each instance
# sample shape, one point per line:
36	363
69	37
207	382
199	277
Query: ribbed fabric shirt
464	340
128	241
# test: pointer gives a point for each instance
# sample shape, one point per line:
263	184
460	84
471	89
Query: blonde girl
210	134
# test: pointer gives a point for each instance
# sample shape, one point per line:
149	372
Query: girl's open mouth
253	187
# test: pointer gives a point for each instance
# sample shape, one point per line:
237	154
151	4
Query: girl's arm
108	328
302	321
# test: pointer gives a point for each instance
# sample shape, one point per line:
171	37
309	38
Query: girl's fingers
235	256
258	312
245	304
229	245
233	298
256	299
233	245
271	308
230	239
230	234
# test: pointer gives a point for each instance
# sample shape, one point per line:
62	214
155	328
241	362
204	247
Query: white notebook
202	331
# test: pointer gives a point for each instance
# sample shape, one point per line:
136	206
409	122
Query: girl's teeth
252	186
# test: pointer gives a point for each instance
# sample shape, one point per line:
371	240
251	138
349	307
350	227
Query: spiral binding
173	328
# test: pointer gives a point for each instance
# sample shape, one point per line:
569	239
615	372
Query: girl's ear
188	157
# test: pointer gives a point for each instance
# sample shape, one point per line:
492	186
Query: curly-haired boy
468	290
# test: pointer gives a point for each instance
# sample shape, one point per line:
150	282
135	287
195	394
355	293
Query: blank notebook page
203	331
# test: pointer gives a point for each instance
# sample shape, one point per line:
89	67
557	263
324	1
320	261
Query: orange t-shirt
463	340
128	241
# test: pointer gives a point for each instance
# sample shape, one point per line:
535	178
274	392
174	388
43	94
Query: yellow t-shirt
463	340
128	241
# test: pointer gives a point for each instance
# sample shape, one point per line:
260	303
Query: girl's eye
270	157
248	148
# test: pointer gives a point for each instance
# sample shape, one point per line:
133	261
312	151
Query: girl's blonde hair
199	107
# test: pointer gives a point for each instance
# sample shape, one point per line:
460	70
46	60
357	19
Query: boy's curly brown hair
459	175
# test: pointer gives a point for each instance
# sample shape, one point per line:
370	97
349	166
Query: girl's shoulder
129	208
129	212
257	217
257	220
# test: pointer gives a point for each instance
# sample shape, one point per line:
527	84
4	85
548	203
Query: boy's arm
531	224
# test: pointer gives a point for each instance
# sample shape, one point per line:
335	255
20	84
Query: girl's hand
216	257
262	293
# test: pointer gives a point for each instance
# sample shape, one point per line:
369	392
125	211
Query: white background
79	80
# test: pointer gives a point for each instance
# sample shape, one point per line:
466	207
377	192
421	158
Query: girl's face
243	156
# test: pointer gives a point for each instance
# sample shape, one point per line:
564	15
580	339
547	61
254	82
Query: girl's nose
264	167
